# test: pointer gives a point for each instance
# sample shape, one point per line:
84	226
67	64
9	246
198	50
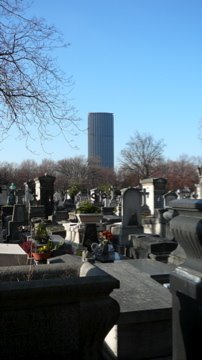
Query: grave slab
144	328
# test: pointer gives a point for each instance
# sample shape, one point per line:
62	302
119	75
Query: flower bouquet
105	245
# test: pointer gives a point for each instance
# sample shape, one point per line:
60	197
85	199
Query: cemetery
122	283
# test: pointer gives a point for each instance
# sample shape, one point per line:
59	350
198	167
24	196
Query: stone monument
131	199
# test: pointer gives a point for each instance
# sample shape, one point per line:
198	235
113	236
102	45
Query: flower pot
41	256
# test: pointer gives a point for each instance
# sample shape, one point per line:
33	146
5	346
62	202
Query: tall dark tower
101	138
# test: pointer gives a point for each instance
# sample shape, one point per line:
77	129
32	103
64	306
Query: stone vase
186	280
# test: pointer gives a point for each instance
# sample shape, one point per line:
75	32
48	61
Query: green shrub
86	207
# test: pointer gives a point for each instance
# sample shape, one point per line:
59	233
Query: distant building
101	138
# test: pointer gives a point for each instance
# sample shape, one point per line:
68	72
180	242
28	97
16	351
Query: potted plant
41	233
88	212
42	252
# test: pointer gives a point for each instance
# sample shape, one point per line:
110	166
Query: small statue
11	195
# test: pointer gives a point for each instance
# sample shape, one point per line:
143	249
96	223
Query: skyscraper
101	138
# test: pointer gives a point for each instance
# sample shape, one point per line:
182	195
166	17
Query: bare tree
75	170
182	173
27	170
34	93
141	155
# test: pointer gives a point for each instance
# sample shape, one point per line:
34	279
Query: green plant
86	207
44	248
41	233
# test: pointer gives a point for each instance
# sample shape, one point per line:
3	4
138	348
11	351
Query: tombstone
19	217
131	199
44	189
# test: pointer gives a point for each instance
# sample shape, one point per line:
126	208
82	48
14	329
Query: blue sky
139	59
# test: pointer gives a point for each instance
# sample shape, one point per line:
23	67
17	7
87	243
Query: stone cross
144	193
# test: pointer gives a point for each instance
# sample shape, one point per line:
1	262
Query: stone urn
187	230
186	280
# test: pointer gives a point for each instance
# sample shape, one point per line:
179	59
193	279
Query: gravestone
19	217
131	199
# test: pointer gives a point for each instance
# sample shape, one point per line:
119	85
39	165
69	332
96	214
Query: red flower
105	235
27	246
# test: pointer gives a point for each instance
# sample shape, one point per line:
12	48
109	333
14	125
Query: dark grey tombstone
186	281
19	217
131	206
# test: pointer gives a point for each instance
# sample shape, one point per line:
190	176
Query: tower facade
101	138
